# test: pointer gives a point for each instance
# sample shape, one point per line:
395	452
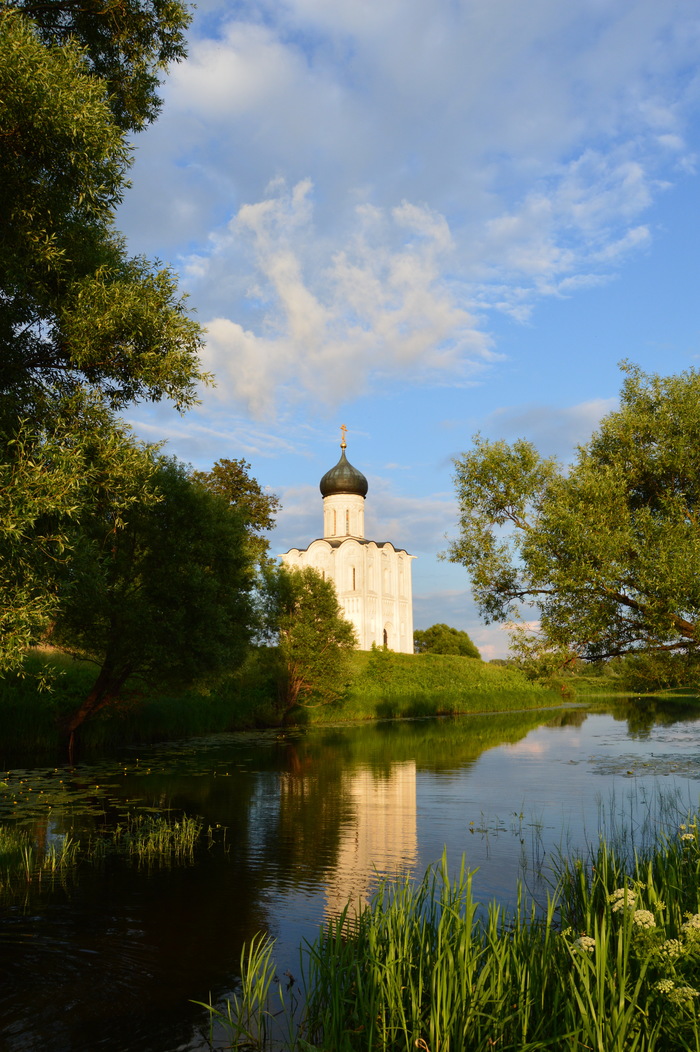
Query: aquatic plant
142	838
158	838
247	1015
611	963
24	859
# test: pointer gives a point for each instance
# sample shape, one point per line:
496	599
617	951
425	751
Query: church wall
373	582
376	598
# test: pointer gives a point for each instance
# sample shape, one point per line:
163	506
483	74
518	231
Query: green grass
23	860
156	838
31	714
381	685
610	963
388	685
153	840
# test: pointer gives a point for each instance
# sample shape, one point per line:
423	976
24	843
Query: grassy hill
384	684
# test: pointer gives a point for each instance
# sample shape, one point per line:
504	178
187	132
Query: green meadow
380	685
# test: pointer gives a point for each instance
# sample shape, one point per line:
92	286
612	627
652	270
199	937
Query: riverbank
381	685
610	962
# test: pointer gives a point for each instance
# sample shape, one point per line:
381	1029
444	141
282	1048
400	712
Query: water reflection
301	823
380	837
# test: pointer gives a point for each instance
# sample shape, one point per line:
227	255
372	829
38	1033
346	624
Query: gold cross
343	443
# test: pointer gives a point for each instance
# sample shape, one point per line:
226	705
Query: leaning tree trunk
104	690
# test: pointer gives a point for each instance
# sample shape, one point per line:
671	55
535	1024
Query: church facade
372	578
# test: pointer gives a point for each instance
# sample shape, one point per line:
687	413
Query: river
112	956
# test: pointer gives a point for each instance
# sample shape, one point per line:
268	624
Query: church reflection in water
379	840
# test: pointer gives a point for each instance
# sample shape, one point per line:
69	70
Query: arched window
335	523
386	639
353	579
347	521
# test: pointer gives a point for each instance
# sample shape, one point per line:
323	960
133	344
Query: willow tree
606	555
85	328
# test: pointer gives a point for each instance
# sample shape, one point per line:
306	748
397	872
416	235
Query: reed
610	963
247	1016
23	860
158	839
154	840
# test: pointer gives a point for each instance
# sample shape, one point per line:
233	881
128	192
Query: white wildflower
644	919
584	942
664	986
670	949
683	993
688	836
622	898
692	924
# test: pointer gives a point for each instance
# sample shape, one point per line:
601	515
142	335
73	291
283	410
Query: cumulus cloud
418	524
466	158
323	322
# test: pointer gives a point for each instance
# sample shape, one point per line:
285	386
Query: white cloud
377	305
465	157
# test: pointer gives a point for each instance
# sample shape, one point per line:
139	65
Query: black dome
344	478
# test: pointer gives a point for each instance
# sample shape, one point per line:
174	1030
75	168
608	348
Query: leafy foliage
166	597
128	45
609	554
84	328
441	639
49	480
313	638
231	480
75	310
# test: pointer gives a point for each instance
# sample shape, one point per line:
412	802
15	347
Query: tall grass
23	860
388	685
247	1017
381	685
154	840
33	705
610	963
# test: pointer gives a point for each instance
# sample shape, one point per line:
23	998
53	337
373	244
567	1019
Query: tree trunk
104	690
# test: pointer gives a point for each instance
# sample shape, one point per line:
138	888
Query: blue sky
421	219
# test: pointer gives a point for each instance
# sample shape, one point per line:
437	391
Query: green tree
231	480
164	595
76	312
48	481
313	638
84	327
40	493
128	45
441	639
607	555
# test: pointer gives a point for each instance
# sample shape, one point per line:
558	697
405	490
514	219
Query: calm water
301	823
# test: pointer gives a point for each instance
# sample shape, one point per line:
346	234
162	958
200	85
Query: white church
372	578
